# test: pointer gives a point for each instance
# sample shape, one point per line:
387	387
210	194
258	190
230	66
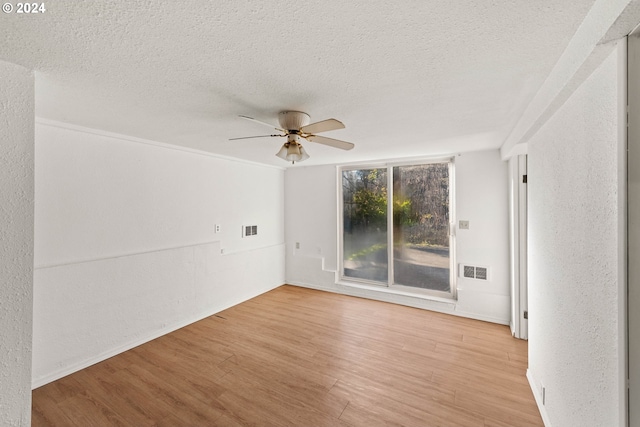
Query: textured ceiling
409	78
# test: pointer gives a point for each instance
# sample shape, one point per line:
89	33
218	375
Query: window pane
364	193
421	226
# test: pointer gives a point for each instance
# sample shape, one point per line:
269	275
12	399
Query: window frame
389	165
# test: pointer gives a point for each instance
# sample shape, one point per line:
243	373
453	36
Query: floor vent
474	272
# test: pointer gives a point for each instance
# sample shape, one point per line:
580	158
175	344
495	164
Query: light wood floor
299	357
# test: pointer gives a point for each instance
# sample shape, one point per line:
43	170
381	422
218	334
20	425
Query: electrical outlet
297	245
463	225
218	228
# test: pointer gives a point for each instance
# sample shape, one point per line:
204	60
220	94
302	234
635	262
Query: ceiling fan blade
250	137
262	123
343	145
323	126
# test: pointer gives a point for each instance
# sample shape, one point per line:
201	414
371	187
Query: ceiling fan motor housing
293	120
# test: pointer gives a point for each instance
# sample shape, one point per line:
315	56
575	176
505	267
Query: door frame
518	245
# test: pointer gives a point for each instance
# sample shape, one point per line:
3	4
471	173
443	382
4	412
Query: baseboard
68	370
538	398
422	302
482	317
310	286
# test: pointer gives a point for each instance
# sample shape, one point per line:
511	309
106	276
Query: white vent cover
474	272
249	230
469	271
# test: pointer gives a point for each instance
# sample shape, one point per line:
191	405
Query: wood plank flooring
299	357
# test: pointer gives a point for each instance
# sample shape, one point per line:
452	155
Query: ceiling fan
294	125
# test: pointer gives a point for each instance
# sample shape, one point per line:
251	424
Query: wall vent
249	230
469	271
474	272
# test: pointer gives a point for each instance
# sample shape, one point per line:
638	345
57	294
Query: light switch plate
463	225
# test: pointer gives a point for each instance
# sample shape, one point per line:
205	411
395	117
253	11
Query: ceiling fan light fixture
303	153
283	151
292	152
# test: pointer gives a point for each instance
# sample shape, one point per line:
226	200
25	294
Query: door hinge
526	314
524	179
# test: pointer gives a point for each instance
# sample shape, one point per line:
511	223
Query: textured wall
481	198
125	244
16	242
574	261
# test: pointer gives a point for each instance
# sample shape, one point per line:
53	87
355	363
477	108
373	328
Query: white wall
16	242
576	238
481	182
482	196
125	243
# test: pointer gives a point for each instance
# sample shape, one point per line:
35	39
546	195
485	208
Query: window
364	195
405	208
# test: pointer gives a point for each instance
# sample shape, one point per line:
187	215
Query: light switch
463	225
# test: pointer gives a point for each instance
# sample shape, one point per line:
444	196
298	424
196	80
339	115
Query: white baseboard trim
538	398
481	317
365	292
75	367
434	304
